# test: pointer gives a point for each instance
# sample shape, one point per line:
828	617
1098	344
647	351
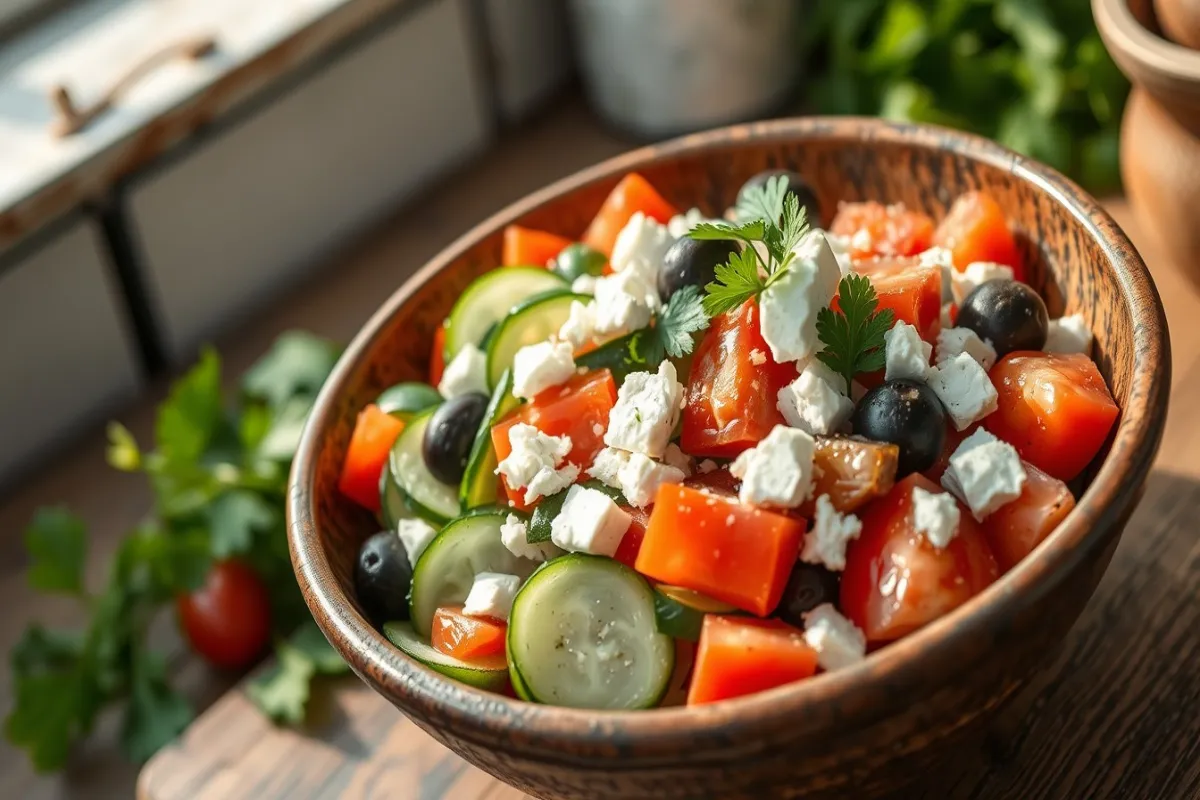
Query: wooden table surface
1116	714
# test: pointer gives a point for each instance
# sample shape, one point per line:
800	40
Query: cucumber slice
445	571
482	676
392	507
693	599
406	400
530	323
582	634
488	300
617	356
542	519
478	486
425	495
677	620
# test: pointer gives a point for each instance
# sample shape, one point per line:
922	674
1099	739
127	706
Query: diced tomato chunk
437	356
716	546
912	291
1054	408
895	581
527	247
475	639
954	437
739	656
873	229
1014	529
631	542
975	229
730	403
578	409
374	434
633	194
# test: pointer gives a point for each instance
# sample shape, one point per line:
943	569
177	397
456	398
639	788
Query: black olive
577	260
450	434
692	263
808	587
383	578
795	185
1007	313
907	414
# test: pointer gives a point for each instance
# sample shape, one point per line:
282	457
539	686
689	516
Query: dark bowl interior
867	726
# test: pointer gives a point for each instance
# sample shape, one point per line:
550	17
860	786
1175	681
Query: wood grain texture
864	729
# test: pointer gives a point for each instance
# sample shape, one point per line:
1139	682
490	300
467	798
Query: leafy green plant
219	476
1031	74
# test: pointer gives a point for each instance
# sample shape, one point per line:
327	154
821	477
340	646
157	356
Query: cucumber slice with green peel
530	323
445	571
491	675
518	684
406	400
677	620
392	506
582	634
424	495
550	507
489	299
478	487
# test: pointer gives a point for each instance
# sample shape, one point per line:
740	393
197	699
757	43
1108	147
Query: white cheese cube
635	475
788	308
679	459
466	373
641	246
965	390
840	245
935	516
758	357
536	462
943	259
580	327
985	473
584	284
624	302
1069	335
537	367
778	471
976	273
681	224
415	535
590	522
945	315
953	341
514	533
812	403
646	411
492	595
838	641
831	532
706	466
906	353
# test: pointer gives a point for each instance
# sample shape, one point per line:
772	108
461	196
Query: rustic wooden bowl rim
1158	57
914	661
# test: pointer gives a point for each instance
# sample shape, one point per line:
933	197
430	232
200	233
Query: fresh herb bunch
671	334
854	335
219	477
1031	74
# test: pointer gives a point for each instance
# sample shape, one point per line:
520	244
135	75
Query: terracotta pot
856	732
1180	21
1160	133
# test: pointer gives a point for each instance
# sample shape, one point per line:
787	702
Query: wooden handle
72	119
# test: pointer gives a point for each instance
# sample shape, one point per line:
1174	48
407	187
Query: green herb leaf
283	436
57	543
123	452
189	417
235	517
50	712
854	336
297	364
763	205
156	712
682	316
782	239
309	641
751	231
282	693
736	282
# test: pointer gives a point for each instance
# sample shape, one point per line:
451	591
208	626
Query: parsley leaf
282	692
189	417
748	232
235	517
736	282
57	545
682	316
156	712
854	336
297	364
763	202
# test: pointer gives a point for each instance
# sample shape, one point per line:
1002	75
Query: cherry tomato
631	542
896	581
228	619
874	229
975	229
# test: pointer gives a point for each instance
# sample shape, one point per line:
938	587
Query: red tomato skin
437	356
633	194
228	619
738	656
1054	408
975	229
730	401
1016	528
473	639
631	542
954	437
911	290
374	434
873	229
896	582
529	247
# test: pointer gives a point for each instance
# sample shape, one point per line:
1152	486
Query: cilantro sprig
854	335
770	223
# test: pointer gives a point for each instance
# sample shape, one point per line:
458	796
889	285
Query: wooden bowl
855	732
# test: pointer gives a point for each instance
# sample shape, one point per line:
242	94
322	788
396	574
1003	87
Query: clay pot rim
1143	55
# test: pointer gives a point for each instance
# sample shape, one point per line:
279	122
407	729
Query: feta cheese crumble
466	373
415	535
681	224
584	284
840	245
706	466
943	259
492	595
813	402
635	475
778	471
831	532
758	357
536	462
1069	335
788	308
906	353
641	246
985	473
646	412
590	522
965	390
678	459
624	302
935	516
965	282
838	641
580	327
514	533
944	317
537	367
953	341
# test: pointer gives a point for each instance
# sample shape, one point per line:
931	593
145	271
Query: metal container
657	68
